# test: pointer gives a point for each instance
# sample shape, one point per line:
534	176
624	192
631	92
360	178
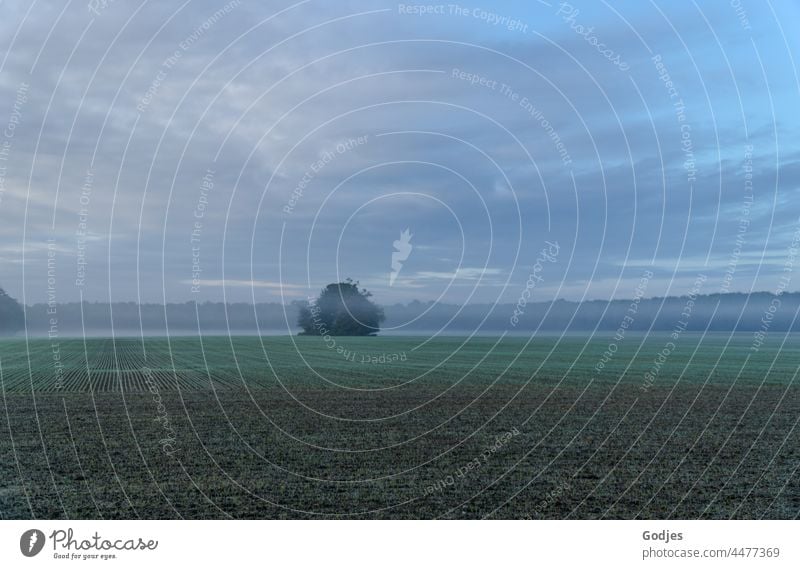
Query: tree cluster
12	318
341	310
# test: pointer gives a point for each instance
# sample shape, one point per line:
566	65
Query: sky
257	151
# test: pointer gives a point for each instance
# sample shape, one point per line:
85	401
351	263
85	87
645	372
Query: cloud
464	273
467	127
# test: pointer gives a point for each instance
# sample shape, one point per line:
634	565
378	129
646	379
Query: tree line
715	312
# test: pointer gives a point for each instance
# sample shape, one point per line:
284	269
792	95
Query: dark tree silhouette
341	310
12	318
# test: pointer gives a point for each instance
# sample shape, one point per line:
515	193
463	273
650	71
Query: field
391	427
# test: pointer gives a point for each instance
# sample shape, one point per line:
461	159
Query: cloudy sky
258	150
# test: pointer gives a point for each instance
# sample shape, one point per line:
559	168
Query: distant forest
716	312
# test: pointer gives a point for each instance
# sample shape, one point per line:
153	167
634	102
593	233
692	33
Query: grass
399	427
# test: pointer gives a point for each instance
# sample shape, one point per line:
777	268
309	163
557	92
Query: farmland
400	427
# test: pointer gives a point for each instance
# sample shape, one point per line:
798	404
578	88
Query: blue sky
261	152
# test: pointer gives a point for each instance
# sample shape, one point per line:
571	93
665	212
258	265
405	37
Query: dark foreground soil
497	451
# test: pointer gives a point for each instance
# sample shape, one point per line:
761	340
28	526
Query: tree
341	310
12	318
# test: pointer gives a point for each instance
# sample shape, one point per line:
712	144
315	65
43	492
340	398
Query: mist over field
711	313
